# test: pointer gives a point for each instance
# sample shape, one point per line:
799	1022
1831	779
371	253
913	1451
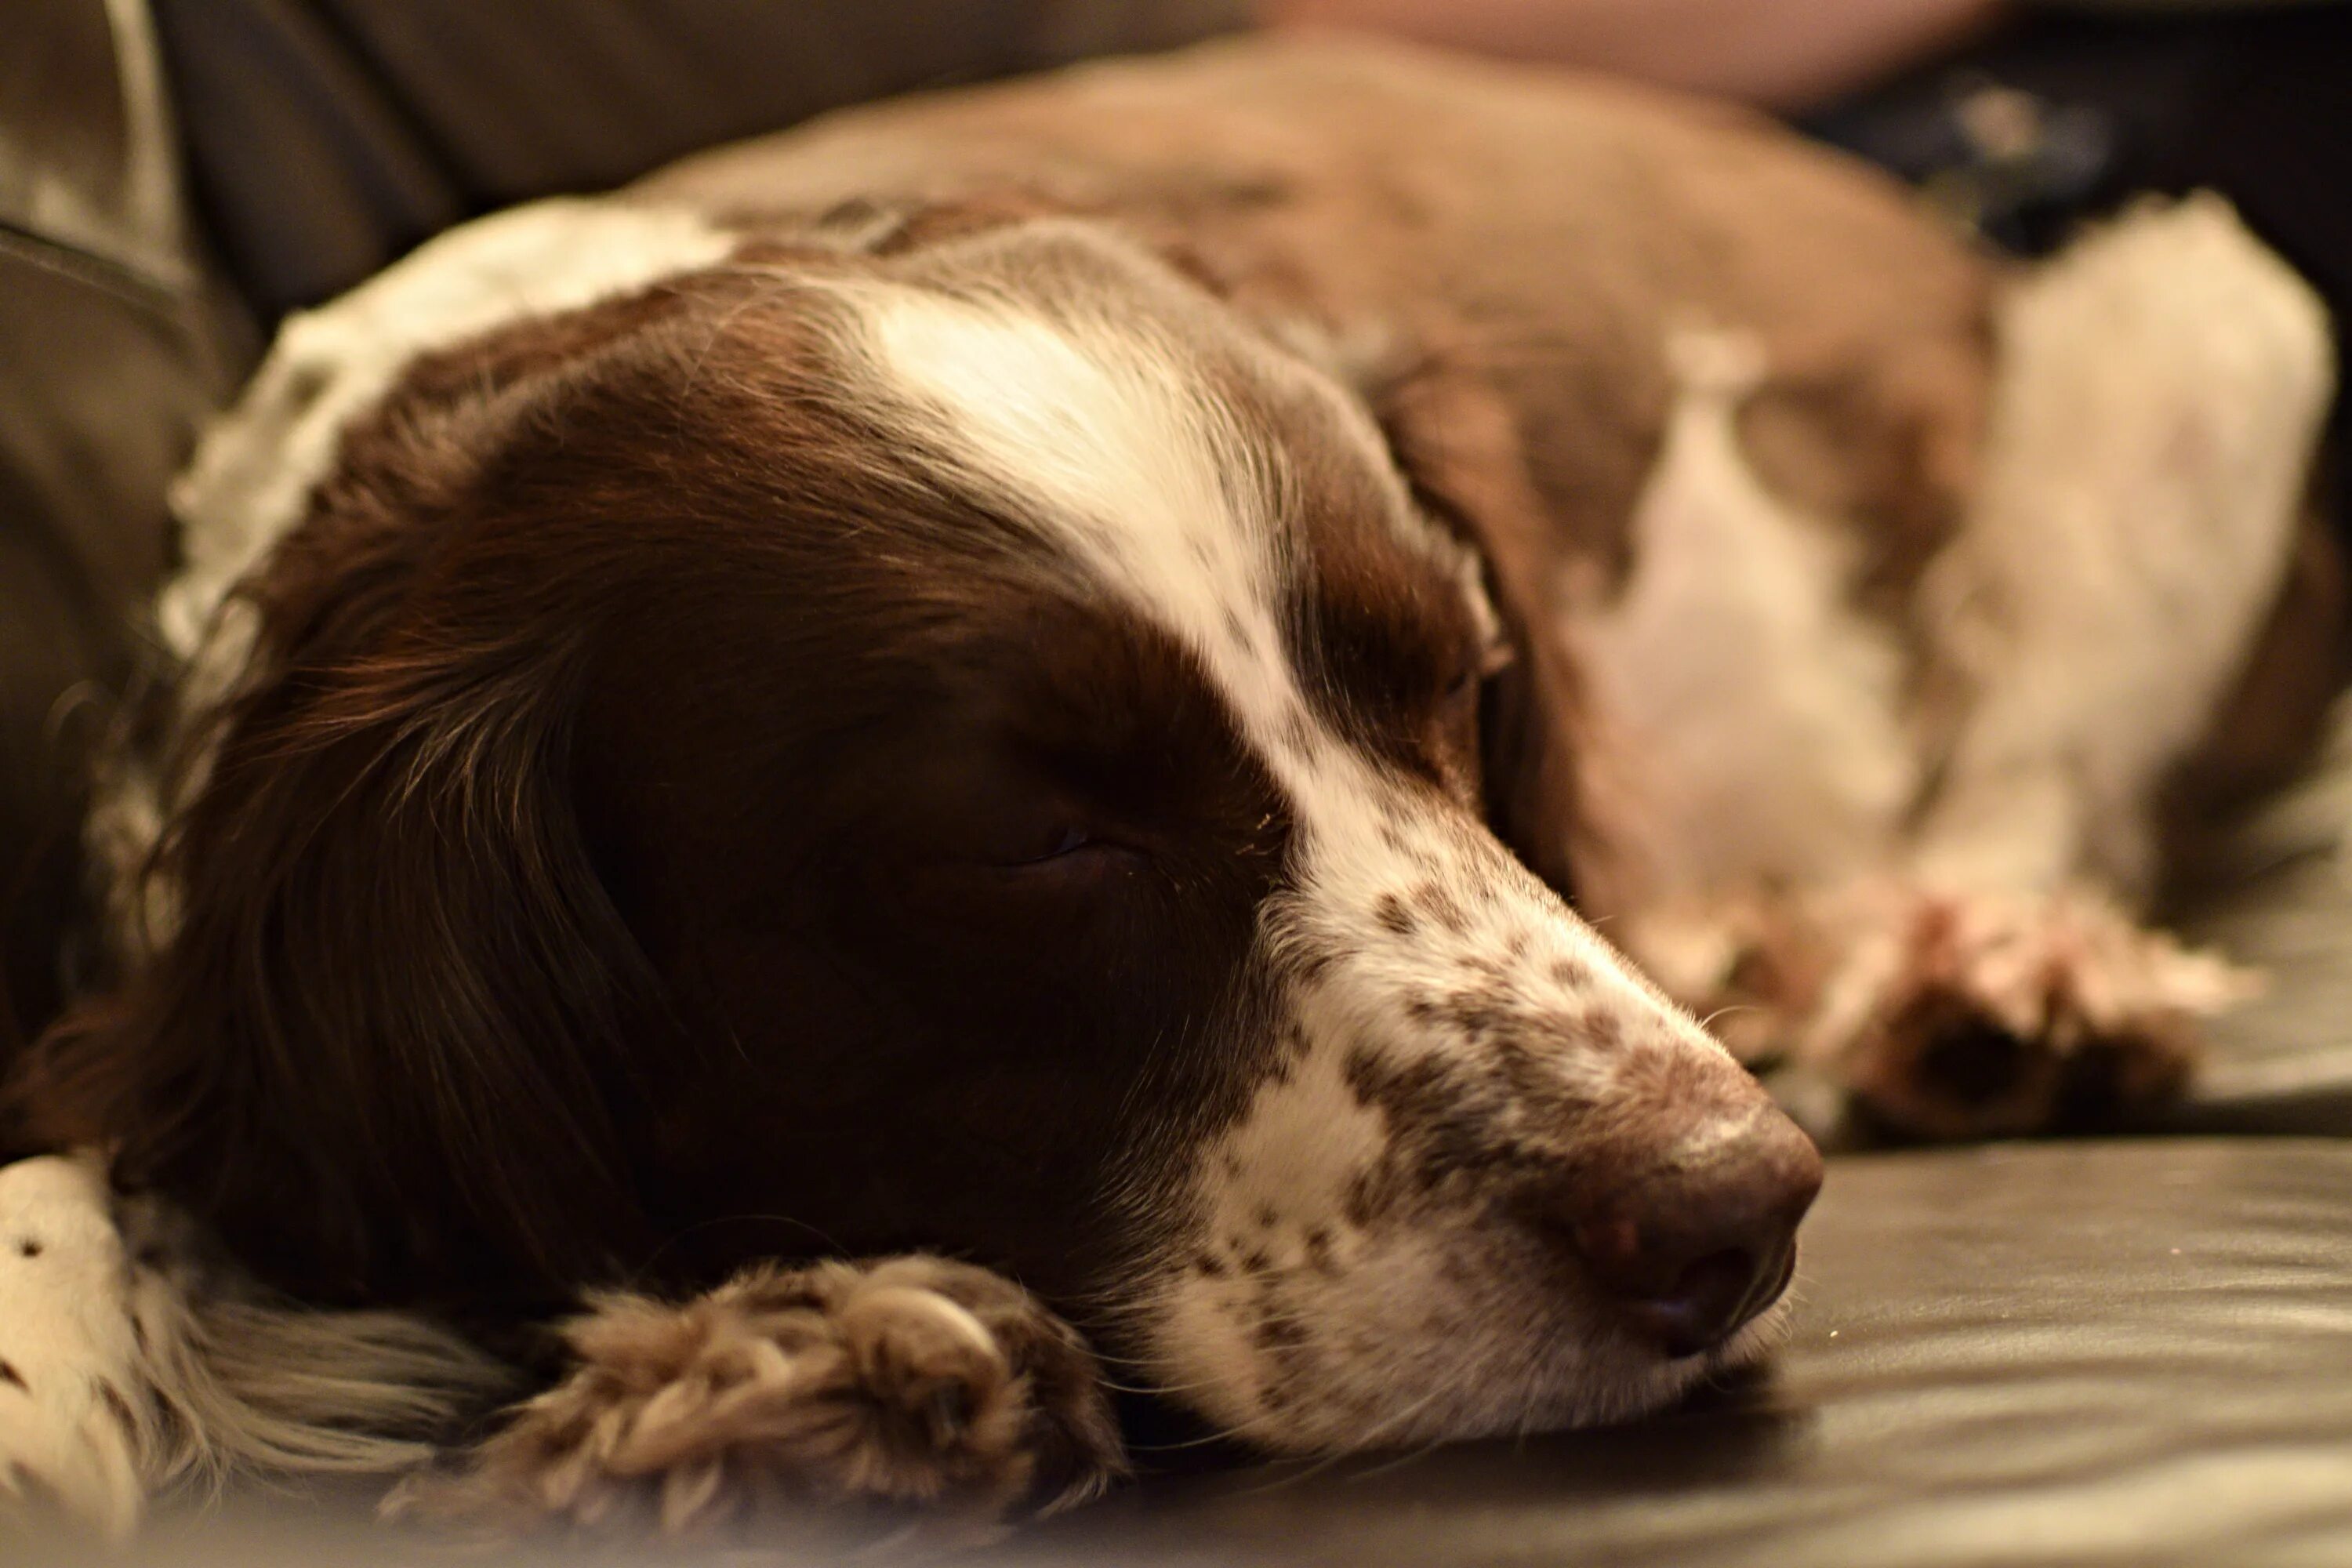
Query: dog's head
968	748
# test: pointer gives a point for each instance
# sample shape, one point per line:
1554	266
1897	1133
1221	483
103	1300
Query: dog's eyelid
1079	858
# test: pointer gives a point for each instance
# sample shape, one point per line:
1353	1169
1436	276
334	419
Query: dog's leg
2159	400
133	1365
1946	1014
2159	405
77	1426
2161	389
908	1382
1957	1014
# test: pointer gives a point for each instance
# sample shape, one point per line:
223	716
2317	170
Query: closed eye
1068	840
1064	849
1083	865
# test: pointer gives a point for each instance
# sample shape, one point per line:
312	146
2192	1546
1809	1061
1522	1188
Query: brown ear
380	1048
382	1043
1548	792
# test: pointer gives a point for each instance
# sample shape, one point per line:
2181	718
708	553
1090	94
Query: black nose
1693	1242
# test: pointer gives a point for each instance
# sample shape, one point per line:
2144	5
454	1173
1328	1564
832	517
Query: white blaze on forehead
1104	438
1105	433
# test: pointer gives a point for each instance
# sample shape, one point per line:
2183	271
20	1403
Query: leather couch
2136	1351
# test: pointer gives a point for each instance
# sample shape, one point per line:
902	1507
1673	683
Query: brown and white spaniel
995	732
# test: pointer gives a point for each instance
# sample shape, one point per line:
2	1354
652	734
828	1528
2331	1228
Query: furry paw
910	1385
75	1426
1971	1014
134	1365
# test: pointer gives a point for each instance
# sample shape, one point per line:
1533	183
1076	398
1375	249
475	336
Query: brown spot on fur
1319	1255
1440	1120
1278	1333
1440	905
1475	1013
1311	962
117	1404
31	1484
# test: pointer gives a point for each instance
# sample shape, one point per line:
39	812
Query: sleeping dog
995	732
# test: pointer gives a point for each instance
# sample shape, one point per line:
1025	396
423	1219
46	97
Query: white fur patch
1107	440
2161	389
66	1339
1762	708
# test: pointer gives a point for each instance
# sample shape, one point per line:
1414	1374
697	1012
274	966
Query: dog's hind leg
833	1392
2159	403
2157	407
1943	1013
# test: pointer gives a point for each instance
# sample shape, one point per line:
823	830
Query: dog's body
961	679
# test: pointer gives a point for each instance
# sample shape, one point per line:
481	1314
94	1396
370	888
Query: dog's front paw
914	1387
1973	1014
74	1422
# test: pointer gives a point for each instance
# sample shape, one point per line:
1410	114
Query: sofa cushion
114	345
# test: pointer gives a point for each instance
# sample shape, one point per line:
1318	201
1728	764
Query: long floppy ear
380	1045
1550	793
380	1039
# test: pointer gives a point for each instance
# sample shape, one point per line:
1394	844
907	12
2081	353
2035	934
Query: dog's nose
1695	1241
